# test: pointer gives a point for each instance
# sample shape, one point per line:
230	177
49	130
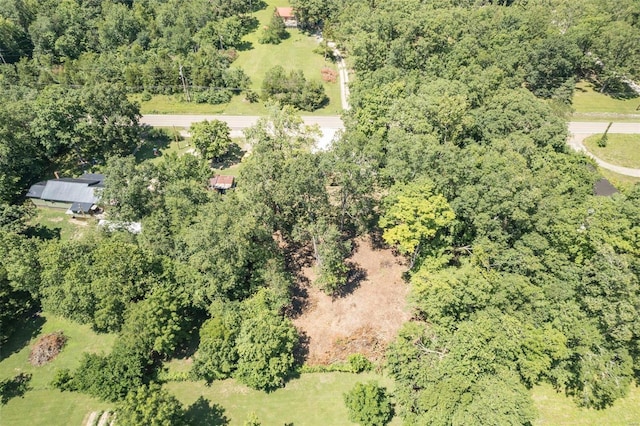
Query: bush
368	404
359	363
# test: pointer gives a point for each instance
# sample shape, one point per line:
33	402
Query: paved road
236	122
579	131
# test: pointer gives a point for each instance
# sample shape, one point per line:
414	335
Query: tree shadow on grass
616	89
31	327
12	388
203	412
231	158
154	140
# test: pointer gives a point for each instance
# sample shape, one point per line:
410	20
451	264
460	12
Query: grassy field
556	409
312	399
591	105
621	150
295	52
43	405
57	222
618	180
174	104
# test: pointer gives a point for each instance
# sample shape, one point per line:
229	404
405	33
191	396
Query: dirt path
363	321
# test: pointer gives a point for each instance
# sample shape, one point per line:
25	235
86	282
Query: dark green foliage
293	89
217	354
368	404
14	387
274	32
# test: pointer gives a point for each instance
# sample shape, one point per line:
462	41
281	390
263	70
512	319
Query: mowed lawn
42	404
621	150
556	409
295	52
590	105
313	399
56	222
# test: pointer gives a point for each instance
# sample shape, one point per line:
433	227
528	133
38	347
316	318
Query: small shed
288	16
221	183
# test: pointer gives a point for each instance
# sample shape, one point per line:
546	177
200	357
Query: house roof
77	207
70	190
285	12
59	190
221	182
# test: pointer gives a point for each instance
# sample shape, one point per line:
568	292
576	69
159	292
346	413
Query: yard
43	405
311	399
621	150
295	52
590	105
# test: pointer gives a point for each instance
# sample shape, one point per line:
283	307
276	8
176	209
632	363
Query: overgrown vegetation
453	152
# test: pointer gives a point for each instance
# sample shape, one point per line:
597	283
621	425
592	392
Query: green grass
174	104
57	222
619	181
43	405
621	150
556	409
295	52
313	399
590	105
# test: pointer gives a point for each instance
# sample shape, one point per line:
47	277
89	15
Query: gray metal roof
36	190
77	207
69	191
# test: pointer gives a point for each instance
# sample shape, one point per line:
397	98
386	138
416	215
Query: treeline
519	273
148	46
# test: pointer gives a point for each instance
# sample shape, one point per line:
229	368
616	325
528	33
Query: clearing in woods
366	319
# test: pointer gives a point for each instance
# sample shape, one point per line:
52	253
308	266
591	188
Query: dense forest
454	153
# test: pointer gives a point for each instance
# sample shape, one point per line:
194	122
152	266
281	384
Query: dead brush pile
47	348
328	75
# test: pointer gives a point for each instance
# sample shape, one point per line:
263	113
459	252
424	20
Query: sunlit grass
587	102
621	150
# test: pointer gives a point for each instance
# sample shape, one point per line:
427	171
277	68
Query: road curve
579	131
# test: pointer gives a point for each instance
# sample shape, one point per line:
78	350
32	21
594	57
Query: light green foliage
414	216
265	351
211	138
331	251
150	405
368	404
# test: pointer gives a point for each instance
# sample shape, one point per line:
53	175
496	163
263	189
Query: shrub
359	363
368	404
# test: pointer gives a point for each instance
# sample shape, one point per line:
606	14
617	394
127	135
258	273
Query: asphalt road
330	124
235	122
579	131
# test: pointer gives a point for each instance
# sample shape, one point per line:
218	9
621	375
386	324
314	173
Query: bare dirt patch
365	319
47	348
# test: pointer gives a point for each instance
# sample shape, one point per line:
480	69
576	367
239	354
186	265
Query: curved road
579	131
